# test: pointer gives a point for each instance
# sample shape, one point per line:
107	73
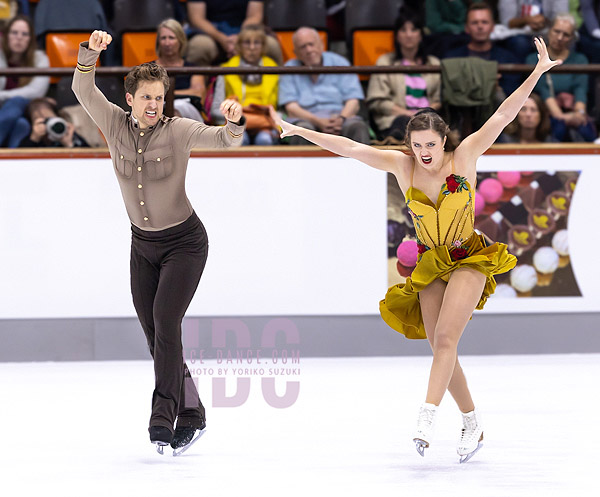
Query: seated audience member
521	20
479	26
565	94
48	129
170	47
325	102
218	23
532	124
19	50
393	98
589	32
445	21
256	92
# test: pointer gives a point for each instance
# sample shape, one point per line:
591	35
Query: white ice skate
471	436
425	423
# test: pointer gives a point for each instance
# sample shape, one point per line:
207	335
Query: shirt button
145	219
158	159
142	133
139	150
139	168
141	202
121	156
139	186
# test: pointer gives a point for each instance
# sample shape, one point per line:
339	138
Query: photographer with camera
48	129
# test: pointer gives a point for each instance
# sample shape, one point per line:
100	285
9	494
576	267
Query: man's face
479	25
148	102
308	47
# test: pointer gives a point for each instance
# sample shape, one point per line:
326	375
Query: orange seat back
369	45
62	49
287	46
138	48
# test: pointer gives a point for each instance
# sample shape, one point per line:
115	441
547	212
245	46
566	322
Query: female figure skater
454	274
169	246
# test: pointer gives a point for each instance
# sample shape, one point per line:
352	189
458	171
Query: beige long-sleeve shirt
150	163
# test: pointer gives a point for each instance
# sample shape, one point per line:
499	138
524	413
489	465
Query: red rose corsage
459	253
455	183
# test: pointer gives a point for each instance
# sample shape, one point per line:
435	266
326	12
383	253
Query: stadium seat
62	49
287	46
284	17
374	28
138	48
368	45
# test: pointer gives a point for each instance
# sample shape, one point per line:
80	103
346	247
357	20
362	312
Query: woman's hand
287	129
99	40
232	110
544	63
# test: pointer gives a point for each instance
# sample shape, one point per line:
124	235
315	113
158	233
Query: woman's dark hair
429	119
408	15
28	59
542	130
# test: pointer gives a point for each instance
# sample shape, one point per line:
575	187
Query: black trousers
166	267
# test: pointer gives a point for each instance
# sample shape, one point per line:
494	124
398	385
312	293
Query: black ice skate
160	436
185	437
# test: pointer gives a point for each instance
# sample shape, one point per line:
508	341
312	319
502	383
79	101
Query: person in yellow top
256	92
454	274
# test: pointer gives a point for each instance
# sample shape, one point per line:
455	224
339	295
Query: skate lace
425	416
469	430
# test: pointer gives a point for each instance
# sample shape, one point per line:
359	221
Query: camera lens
56	128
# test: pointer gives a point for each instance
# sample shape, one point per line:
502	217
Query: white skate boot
424	432
471	436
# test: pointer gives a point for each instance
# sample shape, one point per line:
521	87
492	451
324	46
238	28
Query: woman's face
252	47
428	148
168	43
408	36
18	37
560	35
529	115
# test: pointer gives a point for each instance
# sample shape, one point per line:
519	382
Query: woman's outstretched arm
477	143
386	160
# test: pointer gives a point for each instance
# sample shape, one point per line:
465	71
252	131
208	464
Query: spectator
19	50
520	20
325	102
170	47
589	42
565	94
256	92
393	98
445	21
219	22
479	26
48	129
532	124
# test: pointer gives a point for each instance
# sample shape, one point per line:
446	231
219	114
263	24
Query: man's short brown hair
149	71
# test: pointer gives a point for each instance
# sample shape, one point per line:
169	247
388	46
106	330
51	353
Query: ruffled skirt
401	309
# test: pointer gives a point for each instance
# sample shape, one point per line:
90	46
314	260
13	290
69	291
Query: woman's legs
459	301
11	111
431	299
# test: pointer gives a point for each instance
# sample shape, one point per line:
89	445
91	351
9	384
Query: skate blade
420	445
468	456
160	446
178	452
